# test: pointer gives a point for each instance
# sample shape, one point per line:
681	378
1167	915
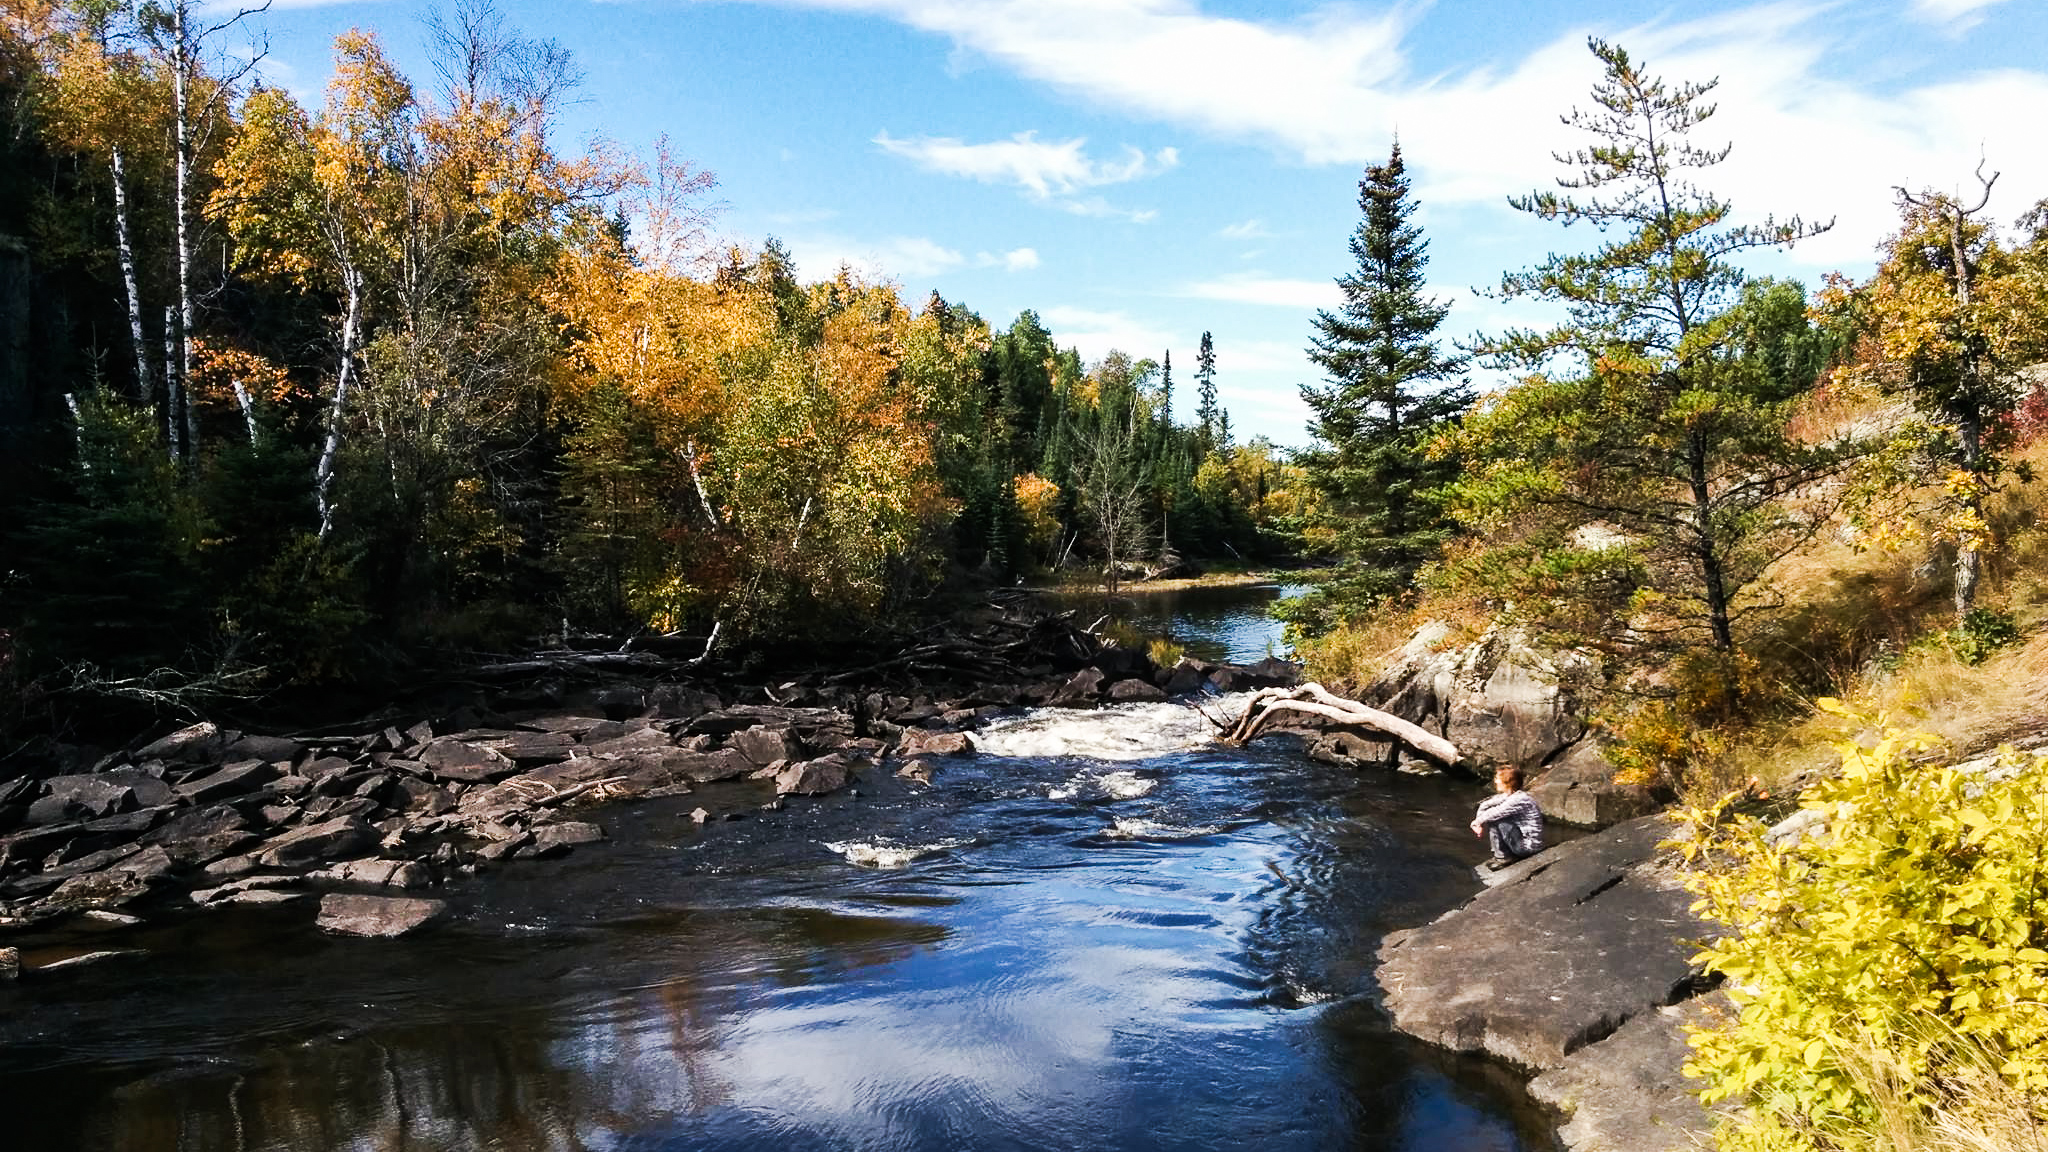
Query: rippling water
1228	623
1052	949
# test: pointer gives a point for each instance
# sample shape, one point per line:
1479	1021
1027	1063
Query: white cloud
1042	168
1258	288
820	256
1957	15
1020	259
1046	171
1096	333
1252	229
1332	87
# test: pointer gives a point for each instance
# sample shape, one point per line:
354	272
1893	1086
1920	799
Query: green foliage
1983	632
1660	406
1908	931
1390	388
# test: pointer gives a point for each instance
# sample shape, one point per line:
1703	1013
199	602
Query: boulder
320	767
631	743
10	963
1351	750
706	767
271	749
1502	698
567	834
201	741
127	880
533	749
85	797
1580	789
1081	691
1186	677
814	777
194	824
374	871
1134	691
379	916
88	958
916	770
919	742
1629	1093
764	745
232	780
328	840
453	759
1589	935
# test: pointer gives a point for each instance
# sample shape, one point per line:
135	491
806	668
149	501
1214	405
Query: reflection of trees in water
562	1077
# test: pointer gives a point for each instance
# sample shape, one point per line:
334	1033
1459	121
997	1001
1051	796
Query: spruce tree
1389	387
1206	412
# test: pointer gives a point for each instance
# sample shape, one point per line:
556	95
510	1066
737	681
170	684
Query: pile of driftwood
1269	706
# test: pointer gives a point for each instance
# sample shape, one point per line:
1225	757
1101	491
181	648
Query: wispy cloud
920	256
1258	288
1332	87
1054	171
1956	16
1252	229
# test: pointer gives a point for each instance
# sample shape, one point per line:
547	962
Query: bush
1910	935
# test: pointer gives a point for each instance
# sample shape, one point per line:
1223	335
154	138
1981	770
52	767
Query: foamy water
1119	785
1138	828
1119	732
880	853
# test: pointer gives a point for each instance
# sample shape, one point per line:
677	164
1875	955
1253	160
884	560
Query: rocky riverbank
372	821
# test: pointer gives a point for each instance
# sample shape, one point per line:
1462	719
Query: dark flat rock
1627	1093
330	840
1588	936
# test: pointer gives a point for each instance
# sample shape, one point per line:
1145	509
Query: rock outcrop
1580	940
1628	1093
1501	698
1579	788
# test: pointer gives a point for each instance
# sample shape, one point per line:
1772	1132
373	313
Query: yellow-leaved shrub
1907	932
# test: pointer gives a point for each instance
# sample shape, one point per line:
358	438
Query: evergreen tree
1206	412
1166	393
1390	387
1660	404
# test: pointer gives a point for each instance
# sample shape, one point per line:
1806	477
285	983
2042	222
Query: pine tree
1206	412
1166	392
1390	386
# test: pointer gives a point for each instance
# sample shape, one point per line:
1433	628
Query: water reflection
740	986
1229	623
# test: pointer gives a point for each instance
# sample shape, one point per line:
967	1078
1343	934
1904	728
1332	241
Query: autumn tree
1647	408
1954	316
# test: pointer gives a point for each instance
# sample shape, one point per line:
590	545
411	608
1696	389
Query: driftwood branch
1315	700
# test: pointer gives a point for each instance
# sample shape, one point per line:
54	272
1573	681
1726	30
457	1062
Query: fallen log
1315	700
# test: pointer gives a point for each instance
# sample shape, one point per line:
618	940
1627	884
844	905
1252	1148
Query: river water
1104	933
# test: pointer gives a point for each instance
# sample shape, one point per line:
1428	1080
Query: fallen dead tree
1315	700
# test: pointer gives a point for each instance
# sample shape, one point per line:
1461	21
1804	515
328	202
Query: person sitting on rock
1511	821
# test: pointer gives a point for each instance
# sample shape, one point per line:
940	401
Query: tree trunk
181	70
351	320
1711	569
1969	561
126	250
172	393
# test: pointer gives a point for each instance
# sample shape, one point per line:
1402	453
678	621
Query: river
1102	933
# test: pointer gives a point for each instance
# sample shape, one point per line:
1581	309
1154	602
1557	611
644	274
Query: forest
295	395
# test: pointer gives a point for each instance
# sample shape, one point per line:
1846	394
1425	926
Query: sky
1141	171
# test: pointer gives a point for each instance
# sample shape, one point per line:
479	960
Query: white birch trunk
172	393
181	70
351	319
248	410
126	249
77	432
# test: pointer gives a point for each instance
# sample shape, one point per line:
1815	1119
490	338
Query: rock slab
1593	934
1627	1093
379	916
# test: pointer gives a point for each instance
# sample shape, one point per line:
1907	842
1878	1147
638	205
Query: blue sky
1139	171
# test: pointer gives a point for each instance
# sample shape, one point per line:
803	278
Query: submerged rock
377	916
814	777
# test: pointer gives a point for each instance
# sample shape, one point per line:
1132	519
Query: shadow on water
1169	950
